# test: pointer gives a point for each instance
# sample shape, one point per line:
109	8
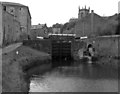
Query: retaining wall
108	46
41	45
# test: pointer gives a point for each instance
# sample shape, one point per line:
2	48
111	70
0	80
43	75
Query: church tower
83	12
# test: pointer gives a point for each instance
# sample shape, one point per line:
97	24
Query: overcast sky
60	11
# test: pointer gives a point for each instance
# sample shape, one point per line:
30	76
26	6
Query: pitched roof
11	3
16	4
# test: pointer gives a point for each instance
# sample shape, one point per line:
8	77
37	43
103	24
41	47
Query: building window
11	10
81	14
4	8
21	9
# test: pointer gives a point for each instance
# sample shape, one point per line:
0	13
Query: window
82	14
21	9
4	8
11	10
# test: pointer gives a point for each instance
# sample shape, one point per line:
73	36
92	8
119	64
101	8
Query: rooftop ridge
12	3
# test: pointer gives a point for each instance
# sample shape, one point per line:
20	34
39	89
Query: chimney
92	21
89	9
92	11
85	6
79	9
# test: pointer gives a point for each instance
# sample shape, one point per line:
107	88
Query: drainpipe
92	22
83	27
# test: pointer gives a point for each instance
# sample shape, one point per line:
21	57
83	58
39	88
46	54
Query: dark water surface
79	77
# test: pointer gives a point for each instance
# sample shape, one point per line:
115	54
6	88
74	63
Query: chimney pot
92	11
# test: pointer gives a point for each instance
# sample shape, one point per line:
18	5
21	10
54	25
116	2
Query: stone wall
96	25
41	45
15	22
1	32
108	46
87	26
21	14
24	19
11	29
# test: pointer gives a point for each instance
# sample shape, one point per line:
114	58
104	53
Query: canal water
78	77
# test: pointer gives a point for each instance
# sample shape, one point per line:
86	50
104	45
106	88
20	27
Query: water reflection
88	71
78	77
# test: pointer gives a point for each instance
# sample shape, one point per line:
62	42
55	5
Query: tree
68	26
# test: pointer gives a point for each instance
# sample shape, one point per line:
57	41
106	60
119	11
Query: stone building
106	46
39	26
83	12
94	25
91	24
56	30
40	30
73	20
15	22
